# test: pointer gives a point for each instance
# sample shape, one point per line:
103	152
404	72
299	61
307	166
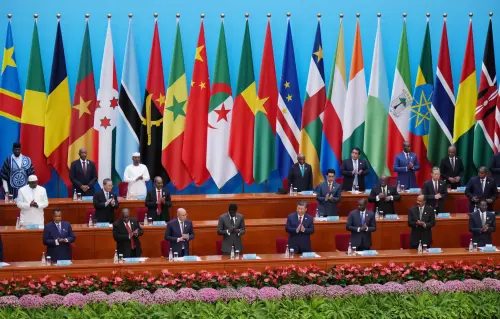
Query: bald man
300	175
83	175
421	219
452	168
179	233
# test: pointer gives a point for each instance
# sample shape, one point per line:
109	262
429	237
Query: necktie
483	218
362	218
421	211
302	170
59	228
435	187
232	221
107	196
300	221
182	228
85	167
482	185
158	203
406	155
453	163
356	169
132	242
329	187
384	191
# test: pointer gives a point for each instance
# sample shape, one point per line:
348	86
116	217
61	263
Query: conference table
155	266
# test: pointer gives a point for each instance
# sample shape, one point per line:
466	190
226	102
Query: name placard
190	258
63	263
368	191
369	253
249	256
33	227
444	215
391	217
461	189
306	193
488	249
87	198
132	260
332	218
159	223
141	197
414	190
102	225
309	255
434	250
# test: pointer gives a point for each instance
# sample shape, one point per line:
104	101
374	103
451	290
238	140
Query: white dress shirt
136	187
32	215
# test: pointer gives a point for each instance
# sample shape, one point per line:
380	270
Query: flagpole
242	180
58	16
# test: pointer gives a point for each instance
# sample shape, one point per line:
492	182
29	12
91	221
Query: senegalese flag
266	106
174	117
58	113
420	111
312	111
241	139
11	103
465	108
33	116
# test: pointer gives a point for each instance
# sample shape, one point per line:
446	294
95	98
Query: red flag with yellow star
194	151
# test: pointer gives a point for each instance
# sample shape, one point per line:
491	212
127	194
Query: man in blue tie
300	175
57	236
361	223
406	164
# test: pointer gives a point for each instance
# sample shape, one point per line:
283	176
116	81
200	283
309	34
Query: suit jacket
474	188
51	233
328	208
419	232
475	226
346	170
387	207
354	223
78	178
151	204
301	241
429	193
495	168
295	178
173	232
104	213
123	242
406	177
230	238
447	170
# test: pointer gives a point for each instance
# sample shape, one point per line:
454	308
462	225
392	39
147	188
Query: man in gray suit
231	226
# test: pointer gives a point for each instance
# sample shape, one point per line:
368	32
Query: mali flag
11	103
58	113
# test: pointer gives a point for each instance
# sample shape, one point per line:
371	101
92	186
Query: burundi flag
174	117
331	144
484	131
81	133
420	111
219	163
58	113
312	112
377	109
401	100
288	117
194	152
241	139
33	115
11	103
105	116
465	109
443	106
128	120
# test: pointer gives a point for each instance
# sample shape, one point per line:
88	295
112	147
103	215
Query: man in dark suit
158	202
480	188
179	233
83	174
435	191
481	224
231	227
126	232
406	164
361	223
452	168
495	168
354	171
328	195
384	197
300	175
300	226
421	219
57	236
105	203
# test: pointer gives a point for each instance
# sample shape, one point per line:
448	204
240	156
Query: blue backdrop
303	26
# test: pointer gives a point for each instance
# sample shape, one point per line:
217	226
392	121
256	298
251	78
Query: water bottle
18	224
399	187
232	252
377	214
471	247
349	250
115	258
145	220
291	190
287	252
170	255
91	222
420	247
75	198
44	261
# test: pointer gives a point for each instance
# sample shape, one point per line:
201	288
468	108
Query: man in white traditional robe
136	175
32	199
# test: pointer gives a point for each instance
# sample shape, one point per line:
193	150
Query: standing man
421	219
179	233
384	197
435	191
126	232
406	164
158	202
481	224
136	175
300	226
328	195
354	171
83	174
361	223
495	168
105	203
300	175
452	168
57	236
15	171
231	227
480	188
31	200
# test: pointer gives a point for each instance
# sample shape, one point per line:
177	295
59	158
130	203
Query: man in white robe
32	199
136	175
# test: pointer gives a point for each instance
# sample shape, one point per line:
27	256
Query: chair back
90	214
165	248
311	209
404	240
281	245
465	239
342	241
122	189
140	213
218	247
392	180
462	205
284	183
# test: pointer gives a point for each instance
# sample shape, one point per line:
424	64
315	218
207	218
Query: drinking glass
150	221
424	248
11	198
292	253
403	189
353	251
48	260
381	214
295	191
176	256
120	258
237	255
79	197
474	247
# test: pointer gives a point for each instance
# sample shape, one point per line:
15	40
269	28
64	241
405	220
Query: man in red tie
158	202
83	175
435	191
328	195
126	232
300	226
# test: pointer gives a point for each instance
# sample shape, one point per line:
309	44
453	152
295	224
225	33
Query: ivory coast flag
465	108
174	118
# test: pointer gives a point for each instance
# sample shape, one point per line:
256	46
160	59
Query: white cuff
377	198
359	229
228	232
56	242
179	239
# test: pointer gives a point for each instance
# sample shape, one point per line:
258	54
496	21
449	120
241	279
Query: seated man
480	188
384	197
481	224
231	227
57	236
328	195
421	219
126	232
300	226
361	223
179	233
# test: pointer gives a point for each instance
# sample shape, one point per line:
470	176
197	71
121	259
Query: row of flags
206	134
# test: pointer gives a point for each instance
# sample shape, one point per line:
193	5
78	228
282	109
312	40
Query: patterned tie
158	203
329	187
300	221
85	167
132	242
59	228
483	218
421	211
362	218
